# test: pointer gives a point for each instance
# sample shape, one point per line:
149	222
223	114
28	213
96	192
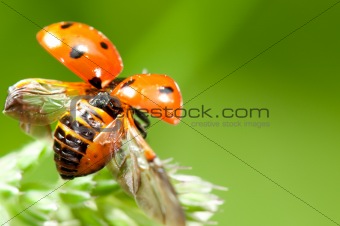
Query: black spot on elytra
66	25
104	45
166	90
128	83
96	82
76	52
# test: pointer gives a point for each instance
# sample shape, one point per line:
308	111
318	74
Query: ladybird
103	120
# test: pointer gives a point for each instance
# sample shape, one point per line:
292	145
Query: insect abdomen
70	147
76	153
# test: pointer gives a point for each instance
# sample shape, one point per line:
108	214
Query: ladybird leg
141	121
140	128
143	117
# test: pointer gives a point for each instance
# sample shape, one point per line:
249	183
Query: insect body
78	150
102	121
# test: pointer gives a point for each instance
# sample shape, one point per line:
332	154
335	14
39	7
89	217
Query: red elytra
84	50
157	94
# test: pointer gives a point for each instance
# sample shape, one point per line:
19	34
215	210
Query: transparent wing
36	103
141	174
40	102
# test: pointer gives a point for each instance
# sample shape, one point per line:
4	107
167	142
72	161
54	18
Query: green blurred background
198	43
